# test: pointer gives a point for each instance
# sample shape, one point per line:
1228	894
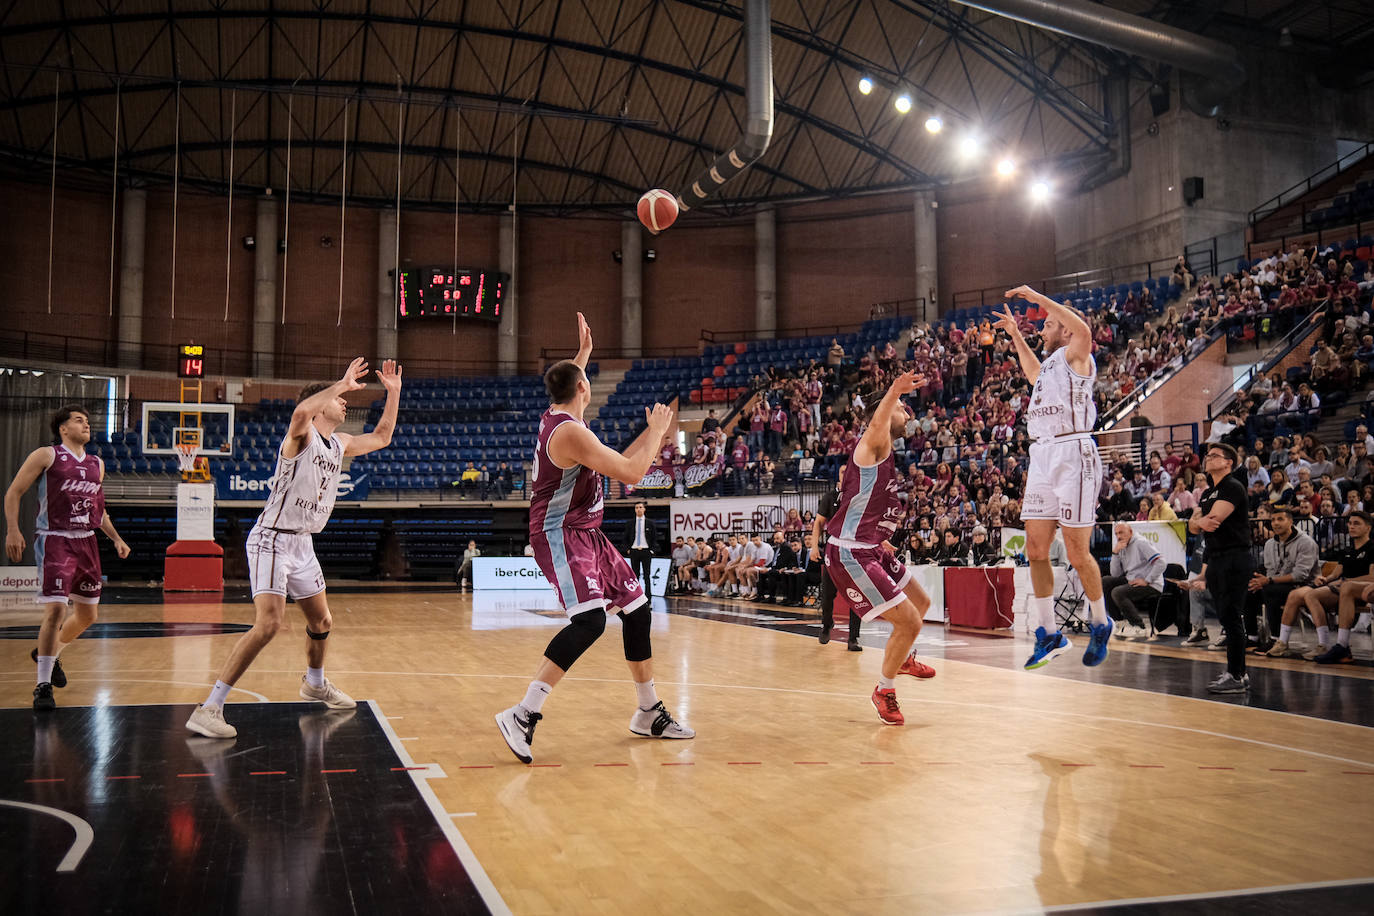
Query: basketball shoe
209	721
327	694
916	669
656	722
1048	645
517	727
885	701
1099	634
42	698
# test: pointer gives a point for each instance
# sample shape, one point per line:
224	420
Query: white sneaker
209	721
657	723
517	727
1312	653
1132	631
327	694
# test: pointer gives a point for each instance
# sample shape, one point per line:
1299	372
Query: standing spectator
777	423
758	421
835	355
710	424
1225	526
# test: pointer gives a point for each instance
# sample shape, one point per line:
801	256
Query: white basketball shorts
1063	482
283	564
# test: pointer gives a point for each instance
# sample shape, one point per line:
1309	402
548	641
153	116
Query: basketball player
876	583
589	574
826	508
1065	472
281	554
71	506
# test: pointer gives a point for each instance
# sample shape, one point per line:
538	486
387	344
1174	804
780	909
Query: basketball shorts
586	570
1063	482
283	564
70	567
870	578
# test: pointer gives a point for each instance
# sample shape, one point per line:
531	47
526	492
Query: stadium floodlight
865	85
934	125
1006	166
1040	190
970	146
902	103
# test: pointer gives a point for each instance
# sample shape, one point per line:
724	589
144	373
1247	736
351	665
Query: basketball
657	210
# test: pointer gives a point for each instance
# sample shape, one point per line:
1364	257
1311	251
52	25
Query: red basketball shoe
885	701
915	668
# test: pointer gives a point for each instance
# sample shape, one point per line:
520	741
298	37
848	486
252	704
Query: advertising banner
703	517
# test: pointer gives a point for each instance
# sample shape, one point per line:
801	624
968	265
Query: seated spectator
1324	593
1290	561
982	553
1160	510
951	551
1137	575
1181	499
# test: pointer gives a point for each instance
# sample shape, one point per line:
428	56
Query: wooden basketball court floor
1121	786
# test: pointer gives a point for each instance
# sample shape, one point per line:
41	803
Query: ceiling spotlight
865	85
1040	191
934	124
902	103
1005	167
970	146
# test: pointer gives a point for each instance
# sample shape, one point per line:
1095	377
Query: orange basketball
657	210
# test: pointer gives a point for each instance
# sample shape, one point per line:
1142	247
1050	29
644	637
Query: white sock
1285	631
314	677
1363	621
1098	610
646	694
1323	636
535	696
1042	613
886	683
1343	636
218	695
45	665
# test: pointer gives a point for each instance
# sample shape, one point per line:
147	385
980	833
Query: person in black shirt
952	551
828	506
1225	526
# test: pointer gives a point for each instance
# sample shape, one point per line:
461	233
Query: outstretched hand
1006	320
908	382
584	333
390	375
1021	292
353	377
659	418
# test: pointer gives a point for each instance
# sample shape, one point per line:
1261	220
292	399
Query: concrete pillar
927	254
766	272
508	335
265	289
130	337
388	225
631	288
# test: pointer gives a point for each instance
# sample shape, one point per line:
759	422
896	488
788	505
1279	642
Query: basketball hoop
186	458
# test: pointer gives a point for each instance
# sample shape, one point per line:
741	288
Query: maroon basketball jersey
70	497
561	497
869	507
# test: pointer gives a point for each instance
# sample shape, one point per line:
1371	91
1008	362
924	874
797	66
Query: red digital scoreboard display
442	292
190	361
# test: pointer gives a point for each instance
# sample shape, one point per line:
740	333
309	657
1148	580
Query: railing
1322	175
1268	361
73	350
1314	237
915	308
1201	257
549	355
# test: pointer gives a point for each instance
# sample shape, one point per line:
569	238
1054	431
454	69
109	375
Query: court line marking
462	814
85	834
144	680
1059	713
490	895
1178	898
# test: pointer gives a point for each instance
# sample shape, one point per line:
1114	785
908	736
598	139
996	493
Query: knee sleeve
577	637
313	635
635	631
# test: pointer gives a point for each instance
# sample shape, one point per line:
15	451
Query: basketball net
186	457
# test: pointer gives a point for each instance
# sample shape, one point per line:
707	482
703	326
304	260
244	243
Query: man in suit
641	536
805	573
784	558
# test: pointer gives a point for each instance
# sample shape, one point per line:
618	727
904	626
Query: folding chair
1070	602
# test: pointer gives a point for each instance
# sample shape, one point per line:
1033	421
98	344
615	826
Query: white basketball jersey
1062	400
303	488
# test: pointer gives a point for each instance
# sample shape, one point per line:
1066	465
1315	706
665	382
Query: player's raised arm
306	410
1030	363
380	437
876	442
584	343
573	443
1081	343
39	460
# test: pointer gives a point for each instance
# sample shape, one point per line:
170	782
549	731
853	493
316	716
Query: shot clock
190	361
442	292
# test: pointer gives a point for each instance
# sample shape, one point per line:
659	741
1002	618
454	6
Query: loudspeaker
1159	99
1192	189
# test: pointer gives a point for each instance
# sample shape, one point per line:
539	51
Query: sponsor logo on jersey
630	584
855	596
593	584
89	587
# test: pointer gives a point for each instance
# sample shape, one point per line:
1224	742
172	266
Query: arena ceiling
568	106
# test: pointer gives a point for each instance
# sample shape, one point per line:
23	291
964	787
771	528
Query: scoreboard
442	292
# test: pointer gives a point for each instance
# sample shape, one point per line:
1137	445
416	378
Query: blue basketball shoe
1047	646
1098	636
